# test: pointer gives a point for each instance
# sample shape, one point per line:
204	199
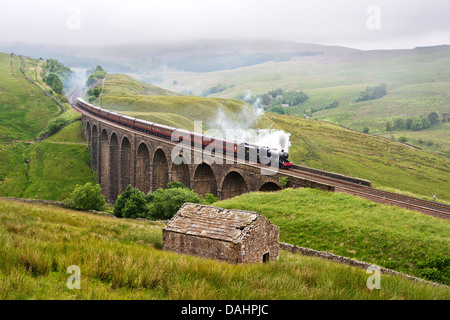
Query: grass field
434	139
350	226
51	168
122	259
388	164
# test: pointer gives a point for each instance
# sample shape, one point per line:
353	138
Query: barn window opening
265	257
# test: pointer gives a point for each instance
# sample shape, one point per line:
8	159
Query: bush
86	197
210	198
416	125
176	184
166	202
131	203
436	269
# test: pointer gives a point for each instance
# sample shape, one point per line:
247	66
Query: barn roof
212	222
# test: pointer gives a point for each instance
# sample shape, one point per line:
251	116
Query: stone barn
235	236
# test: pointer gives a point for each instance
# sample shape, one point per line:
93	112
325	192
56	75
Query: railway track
436	209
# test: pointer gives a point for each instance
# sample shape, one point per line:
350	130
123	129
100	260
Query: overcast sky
374	24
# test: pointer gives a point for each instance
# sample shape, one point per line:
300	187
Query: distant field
434	139
122	259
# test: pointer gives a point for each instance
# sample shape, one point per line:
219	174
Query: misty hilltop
198	56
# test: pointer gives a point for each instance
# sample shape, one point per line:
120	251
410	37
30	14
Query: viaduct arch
122	156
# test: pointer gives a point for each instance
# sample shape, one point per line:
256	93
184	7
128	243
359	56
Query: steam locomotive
239	149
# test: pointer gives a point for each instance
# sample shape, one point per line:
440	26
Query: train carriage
239	149
143	125
126	120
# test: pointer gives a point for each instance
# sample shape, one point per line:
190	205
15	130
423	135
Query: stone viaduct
122	156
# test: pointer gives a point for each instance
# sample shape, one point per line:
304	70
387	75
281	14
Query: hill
390	165
122	259
129	96
417	84
48	169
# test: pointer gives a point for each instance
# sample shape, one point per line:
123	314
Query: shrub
166	202
176	184
210	198
131	203
403	139
436	269
416	125
86	197
283	181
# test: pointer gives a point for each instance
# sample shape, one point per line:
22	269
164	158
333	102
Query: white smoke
242	127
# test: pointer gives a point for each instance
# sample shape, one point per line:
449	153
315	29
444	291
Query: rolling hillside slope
132	97
49	169
418	83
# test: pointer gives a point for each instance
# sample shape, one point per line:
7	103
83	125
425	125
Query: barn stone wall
261	238
201	246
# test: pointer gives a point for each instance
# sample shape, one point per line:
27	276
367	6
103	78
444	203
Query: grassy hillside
353	227
135	98
24	108
49	169
122	259
388	164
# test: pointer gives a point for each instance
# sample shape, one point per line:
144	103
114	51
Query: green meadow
122	259
48	169
353	227
388	164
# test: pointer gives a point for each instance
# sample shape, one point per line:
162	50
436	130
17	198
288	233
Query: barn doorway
265	257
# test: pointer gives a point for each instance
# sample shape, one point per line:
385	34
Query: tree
176	184
277	109
86	197
131	203
372	93
388	126
210	198
425	122
265	99
403	139
166	202
366	130
399	124
433	117
416	125
408	123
